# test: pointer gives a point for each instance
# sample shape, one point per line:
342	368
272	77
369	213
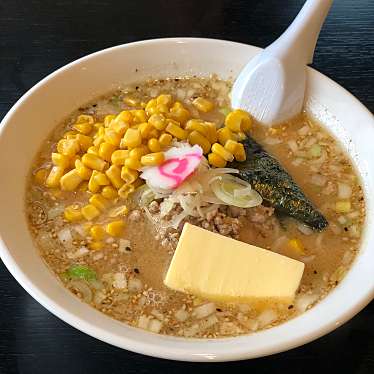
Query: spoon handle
301	36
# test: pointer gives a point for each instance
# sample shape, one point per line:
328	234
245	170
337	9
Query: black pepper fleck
315	272
290	306
218	309
346	229
136	270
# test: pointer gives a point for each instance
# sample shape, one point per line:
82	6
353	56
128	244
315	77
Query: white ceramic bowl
33	117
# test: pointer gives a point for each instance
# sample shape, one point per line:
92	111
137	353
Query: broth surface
130	268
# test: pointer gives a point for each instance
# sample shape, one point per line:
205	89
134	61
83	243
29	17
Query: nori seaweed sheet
276	186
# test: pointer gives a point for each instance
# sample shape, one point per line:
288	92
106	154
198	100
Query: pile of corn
105	158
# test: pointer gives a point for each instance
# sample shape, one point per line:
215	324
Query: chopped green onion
81	272
315	151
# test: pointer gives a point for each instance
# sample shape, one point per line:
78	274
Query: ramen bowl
34	116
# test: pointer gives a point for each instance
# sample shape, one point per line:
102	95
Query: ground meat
217	221
259	214
221	220
263	219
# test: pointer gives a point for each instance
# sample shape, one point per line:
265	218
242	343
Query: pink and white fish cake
180	162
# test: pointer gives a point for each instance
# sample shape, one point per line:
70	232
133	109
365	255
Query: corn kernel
98	140
112	137
85	118
96	245
203	105
231	146
179	113
165	140
153	159
90	212
196	137
115	228
238	121
224	135
114	175
216	160
296	245
93	162
212	131
68	147
109	192
176	131
139	116
40	176
124	116
108	119
129	175
53	179
126	190
133	163
196	125
83	171
100	178
83	128
72	213
93	186
154	145
221	151
94	150
145	129
130	101
97	179
240	154
158	121
139	152
150	108
70	181
99	201
97	232
106	150
119	126
164	99
84	141
162	108
119	156
59	159
132	138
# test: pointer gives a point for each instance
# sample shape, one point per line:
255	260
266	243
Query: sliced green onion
236	192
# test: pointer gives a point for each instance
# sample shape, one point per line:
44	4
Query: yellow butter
215	267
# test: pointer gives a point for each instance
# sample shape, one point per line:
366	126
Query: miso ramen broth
110	238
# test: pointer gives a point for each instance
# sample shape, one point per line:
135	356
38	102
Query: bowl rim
180	351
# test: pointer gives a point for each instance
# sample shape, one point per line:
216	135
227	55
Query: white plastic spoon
272	85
